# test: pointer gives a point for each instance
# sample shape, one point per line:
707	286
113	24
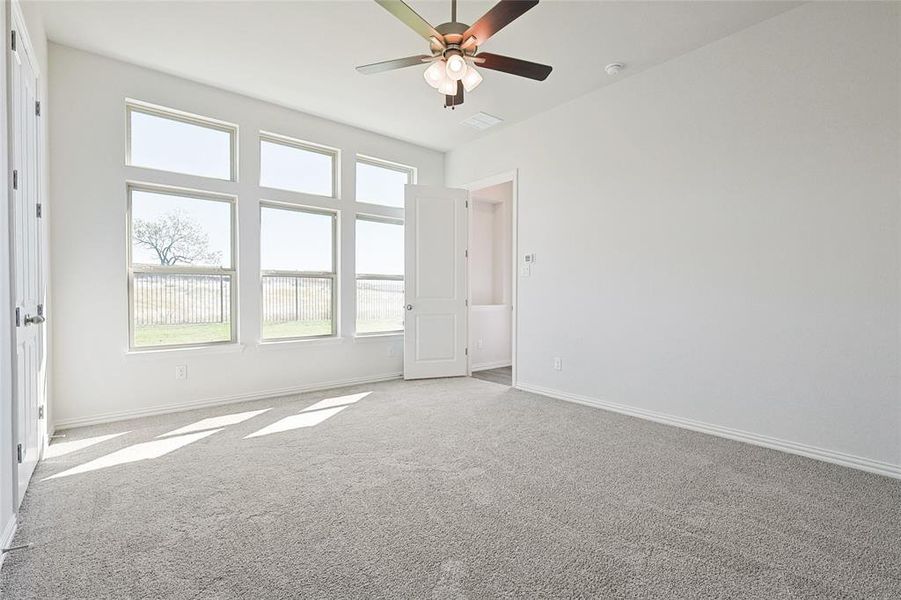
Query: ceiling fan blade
397	63
410	18
501	14
514	66
456	100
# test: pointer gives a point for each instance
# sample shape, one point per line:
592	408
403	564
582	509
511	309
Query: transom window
181	267
299	279
380	275
170	140
296	166
382	182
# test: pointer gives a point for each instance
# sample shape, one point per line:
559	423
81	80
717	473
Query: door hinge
37	107
40	310
41	412
15	179
18	317
466	351
467	204
19	452
466	302
466	253
13	41
39	210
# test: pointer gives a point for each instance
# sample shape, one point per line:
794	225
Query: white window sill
299	343
164	353
365	338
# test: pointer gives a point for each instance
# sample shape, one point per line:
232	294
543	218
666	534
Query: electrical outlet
479	344
181	372
558	363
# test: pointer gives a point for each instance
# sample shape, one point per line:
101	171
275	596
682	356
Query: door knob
35	320
409	307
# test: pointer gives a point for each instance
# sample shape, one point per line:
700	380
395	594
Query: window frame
173	114
372	161
333	275
373	276
231	272
290	142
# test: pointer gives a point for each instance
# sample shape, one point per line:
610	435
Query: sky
290	240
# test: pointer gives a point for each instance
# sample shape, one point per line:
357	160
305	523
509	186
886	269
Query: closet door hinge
19	453
18	317
37	107
466	253
39	210
466	351
41	412
12	43
15	179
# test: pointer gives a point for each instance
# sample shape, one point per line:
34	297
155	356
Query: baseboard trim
123	415
831	456
491	365
6	538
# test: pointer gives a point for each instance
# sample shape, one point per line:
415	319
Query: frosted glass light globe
456	67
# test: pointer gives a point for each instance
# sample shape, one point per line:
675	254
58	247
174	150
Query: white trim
17	22
830	456
513	177
6	538
162	352
219	401
491	365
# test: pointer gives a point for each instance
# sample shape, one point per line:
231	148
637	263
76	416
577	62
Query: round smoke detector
614	68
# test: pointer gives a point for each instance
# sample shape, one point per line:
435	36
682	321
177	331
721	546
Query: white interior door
435	329
28	262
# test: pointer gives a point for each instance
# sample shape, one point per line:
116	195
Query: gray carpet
451	489
501	375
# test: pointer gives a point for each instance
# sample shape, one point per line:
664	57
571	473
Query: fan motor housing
452	33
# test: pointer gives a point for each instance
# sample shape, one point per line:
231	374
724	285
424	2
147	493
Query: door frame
511	176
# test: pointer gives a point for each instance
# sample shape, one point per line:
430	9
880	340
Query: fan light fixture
435	74
456	67
472	79
453	51
448	87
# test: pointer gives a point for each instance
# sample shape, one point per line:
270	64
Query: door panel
435	237
28	263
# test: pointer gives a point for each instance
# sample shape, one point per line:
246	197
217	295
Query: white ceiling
302	54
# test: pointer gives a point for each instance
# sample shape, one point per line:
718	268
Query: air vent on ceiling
482	121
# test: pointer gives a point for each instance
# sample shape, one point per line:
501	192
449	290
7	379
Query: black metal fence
163	299
291	298
168	299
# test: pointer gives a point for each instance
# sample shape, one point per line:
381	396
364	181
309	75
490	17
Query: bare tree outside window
175	238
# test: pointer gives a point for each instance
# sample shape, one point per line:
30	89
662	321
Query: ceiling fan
454	49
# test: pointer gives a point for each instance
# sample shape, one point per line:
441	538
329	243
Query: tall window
297	260
181	267
296	166
382	182
169	140
380	275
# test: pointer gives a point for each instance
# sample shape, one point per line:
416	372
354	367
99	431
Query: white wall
482	259
717	238
94	376
490	247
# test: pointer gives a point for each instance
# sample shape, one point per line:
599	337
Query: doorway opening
491	280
